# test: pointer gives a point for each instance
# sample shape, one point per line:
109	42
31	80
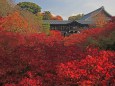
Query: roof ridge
101	8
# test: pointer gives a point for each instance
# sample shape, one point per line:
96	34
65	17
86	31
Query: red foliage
41	60
82	37
96	68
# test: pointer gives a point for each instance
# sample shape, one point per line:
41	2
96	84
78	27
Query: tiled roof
88	16
64	22
56	21
84	22
91	13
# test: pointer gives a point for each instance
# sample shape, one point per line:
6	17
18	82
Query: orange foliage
57	18
14	20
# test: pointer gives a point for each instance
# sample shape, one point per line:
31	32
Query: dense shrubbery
54	60
34	59
97	68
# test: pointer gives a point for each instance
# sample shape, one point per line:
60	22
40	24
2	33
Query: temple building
65	25
95	18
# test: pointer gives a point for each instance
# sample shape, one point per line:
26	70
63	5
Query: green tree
76	17
46	28
47	15
32	7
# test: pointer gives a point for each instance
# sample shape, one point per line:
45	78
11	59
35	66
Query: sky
66	8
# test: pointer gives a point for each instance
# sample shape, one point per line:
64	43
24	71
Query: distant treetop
76	17
47	15
30	6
